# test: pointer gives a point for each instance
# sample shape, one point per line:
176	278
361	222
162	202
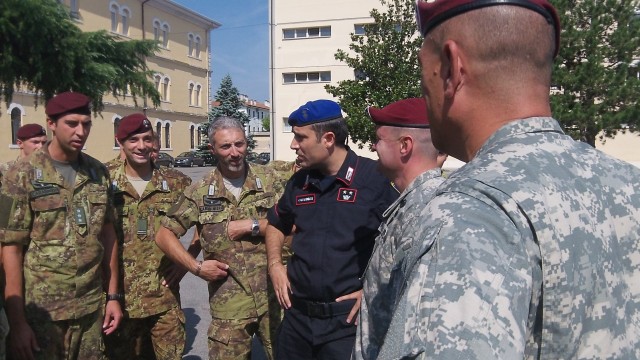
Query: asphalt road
195	299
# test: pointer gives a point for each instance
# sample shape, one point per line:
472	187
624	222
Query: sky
240	46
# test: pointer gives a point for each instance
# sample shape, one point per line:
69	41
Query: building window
73	9
159	132
197	94
114	17
156	30
358	29
167	135
191	86
16	120
198	46
192	137
190	40
126	15
306	77
304	33
165	36
285	125
116	124
165	89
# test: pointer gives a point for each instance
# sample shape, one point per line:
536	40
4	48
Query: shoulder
265	172
174	174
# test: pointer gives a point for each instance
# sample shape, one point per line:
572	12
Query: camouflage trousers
67	339
157	337
230	339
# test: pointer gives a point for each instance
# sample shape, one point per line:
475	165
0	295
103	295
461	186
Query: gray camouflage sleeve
469	284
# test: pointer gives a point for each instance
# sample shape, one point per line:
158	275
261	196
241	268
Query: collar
345	175
415	184
520	127
120	182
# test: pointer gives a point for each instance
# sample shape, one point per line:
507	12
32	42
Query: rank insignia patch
347	195
306	199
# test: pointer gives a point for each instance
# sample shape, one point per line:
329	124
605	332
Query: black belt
321	309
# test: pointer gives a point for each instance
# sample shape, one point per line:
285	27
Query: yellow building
181	67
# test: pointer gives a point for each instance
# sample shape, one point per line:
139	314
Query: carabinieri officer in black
333	207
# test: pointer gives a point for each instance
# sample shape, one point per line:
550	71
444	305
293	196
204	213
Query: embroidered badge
212	189
306	199
43	189
38	174
347	195
165	186
211	204
258	183
349	174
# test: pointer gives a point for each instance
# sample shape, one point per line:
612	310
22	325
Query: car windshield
185	154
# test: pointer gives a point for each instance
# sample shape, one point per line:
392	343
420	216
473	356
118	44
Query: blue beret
315	112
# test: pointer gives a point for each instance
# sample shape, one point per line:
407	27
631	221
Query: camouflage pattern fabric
209	205
156	337
230	339
138	219
143	265
79	338
60	227
395	238
531	250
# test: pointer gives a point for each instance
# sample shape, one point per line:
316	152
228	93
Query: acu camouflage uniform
531	250
239	304
59	225
154	321
396	236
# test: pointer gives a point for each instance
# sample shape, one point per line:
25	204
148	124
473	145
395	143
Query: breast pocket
49	219
98	201
214	236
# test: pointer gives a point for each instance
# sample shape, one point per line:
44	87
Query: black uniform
336	219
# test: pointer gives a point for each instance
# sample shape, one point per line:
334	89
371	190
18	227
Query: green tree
42	50
230	105
385	62
595	75
266	123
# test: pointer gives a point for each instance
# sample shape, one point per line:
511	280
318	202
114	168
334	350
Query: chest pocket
49	218
262	203
214	238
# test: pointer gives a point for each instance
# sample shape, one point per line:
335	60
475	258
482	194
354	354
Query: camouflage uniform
238	303
530	251
151	310
401	222
59	226
4	323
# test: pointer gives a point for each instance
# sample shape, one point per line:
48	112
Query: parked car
265	157
164	159
209	159
188	159
256	159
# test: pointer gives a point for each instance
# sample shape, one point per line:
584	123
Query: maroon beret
434	12
68	103
28	131
404	113
135	123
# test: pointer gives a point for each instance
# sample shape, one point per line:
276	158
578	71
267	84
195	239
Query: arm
113	311
176	272
274	241
237	229
22	339
210	270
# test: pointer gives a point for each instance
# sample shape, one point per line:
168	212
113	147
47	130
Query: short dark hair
337	126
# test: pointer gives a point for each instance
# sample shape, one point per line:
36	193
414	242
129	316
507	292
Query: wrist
255	227
272	264
115	296
198	268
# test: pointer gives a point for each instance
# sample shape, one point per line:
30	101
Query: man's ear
453	64
328	139
406	145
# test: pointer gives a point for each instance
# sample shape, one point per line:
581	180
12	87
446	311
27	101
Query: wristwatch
255	227
117	297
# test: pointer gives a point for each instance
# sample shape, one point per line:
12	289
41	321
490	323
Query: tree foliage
266	123
43	51
595	75
230	104
386	62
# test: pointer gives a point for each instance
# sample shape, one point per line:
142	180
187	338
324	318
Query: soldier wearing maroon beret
59	244
529	251
407	157
153	327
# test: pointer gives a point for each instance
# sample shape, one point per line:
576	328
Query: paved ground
195	300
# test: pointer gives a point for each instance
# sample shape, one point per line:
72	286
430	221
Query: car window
185	154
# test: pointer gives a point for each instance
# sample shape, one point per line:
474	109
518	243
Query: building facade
256	111
181	73
305	36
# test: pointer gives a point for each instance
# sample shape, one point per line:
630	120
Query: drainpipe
144	36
